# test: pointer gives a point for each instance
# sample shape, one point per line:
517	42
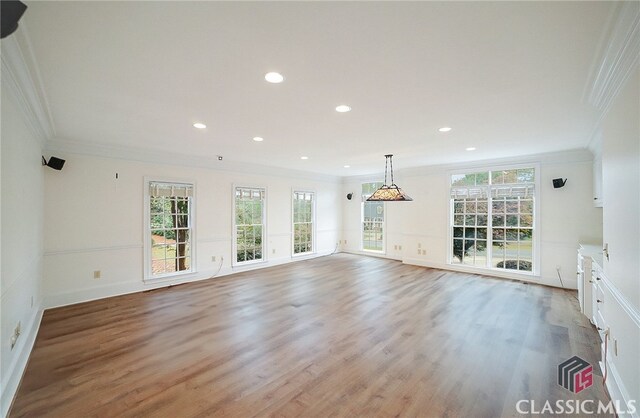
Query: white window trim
313	225
536	221
384	225
234	232
148	272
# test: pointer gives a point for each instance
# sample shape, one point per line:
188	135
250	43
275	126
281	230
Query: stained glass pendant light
390	193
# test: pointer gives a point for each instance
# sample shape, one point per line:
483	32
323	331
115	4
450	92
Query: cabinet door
581	291
586	273
580	282
594	303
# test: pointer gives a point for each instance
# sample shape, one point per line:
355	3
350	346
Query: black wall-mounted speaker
54	162
349	196
10	13
558	183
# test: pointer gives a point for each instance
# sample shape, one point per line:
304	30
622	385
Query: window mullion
167	203
489	225
508	189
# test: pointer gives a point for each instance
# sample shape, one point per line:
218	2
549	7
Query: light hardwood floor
341	335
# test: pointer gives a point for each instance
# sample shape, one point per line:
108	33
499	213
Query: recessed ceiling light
258	138
445	129
343	108
274	77
304	157
347	166
199	125
471	149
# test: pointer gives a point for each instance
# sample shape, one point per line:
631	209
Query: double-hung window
303	222
492	219
372	220
249	224
170	229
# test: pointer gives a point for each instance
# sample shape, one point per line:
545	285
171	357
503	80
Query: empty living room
320	208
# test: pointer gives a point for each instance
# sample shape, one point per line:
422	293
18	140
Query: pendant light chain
386	162
389	192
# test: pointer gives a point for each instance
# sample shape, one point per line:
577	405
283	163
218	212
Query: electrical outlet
419	251
97	274
395	247
273	251
424	252
213	258
400	247
419	245
345	242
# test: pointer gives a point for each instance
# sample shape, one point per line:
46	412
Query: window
372	220
492	219
303	214
249	216
170	229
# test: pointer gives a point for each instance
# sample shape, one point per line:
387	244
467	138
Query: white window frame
148	270
384	225
234	232
313	223
535	256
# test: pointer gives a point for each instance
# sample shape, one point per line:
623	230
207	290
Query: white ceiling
510	78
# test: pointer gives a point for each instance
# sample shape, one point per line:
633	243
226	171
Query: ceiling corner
18	66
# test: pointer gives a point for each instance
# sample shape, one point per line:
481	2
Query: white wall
621	231
621	188
95	222
566	216
22	237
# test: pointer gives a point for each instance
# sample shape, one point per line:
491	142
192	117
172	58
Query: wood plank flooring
342	335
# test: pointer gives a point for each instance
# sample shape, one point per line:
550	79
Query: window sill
303	255
381	252
170	277
493	271
250	263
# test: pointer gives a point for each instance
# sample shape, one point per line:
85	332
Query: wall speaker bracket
54	162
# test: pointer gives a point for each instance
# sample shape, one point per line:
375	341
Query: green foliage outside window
249	208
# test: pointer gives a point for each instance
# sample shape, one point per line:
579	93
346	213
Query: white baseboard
123	288
371	254
617	389
11	381
112	289
622	319
553	282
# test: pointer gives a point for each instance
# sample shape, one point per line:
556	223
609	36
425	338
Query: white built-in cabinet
589	282
584	282
590	288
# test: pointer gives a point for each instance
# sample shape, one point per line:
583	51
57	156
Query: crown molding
619	57
17	77
561	157
142	155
